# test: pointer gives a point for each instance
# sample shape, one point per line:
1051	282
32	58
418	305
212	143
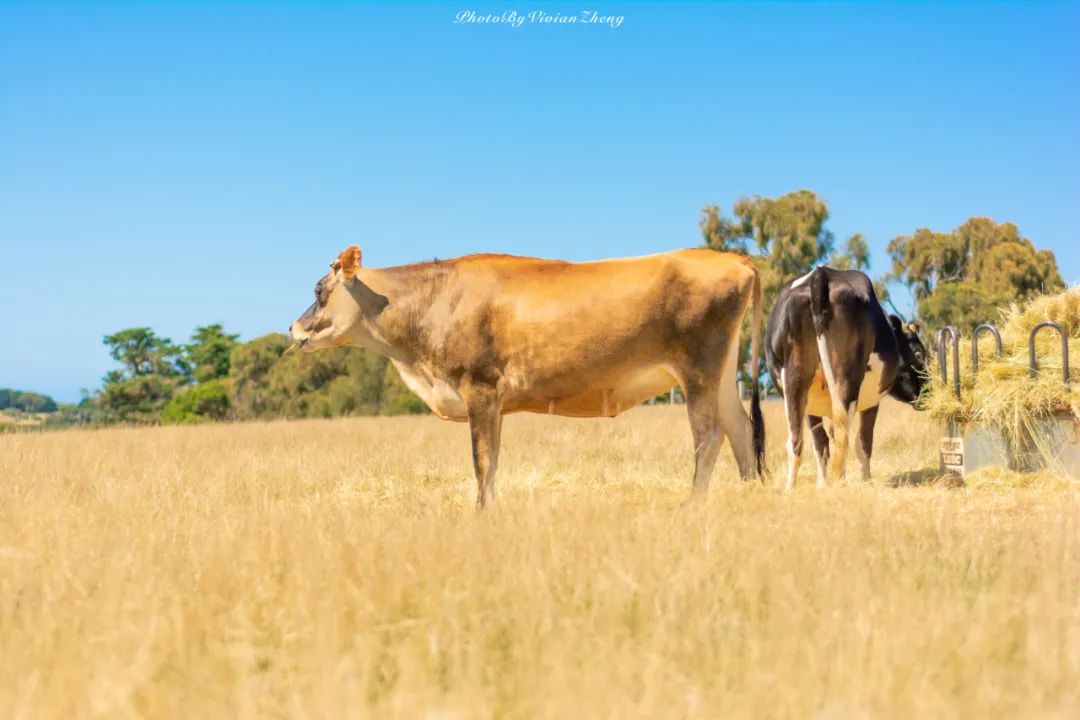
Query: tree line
214	377
26	402
958	277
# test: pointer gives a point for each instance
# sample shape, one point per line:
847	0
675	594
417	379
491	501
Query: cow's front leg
865	448
485	427
821	448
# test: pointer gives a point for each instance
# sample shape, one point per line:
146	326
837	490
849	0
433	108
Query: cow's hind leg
702	405
795	405
733	418
865	447
844	380
821	448
485	428
843	409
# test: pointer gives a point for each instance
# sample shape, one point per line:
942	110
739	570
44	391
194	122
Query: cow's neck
404	294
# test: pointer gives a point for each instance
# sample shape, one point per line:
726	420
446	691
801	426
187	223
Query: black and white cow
832	351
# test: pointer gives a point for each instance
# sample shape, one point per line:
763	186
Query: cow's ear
897	324
348	261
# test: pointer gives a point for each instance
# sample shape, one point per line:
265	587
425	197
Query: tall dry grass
333	569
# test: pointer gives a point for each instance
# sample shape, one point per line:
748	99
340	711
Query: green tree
786	237
267	383
151	370
720	233
208	353
962	304
787	232
26	401
141	352
856	255
201	403
965	276
250	366
397	398
139	399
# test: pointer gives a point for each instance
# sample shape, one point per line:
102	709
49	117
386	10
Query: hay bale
1003	395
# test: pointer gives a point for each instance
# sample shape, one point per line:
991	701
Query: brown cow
480	336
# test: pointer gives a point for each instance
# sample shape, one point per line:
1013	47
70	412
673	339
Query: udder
819	402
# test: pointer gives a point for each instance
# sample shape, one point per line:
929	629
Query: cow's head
911	373
341	303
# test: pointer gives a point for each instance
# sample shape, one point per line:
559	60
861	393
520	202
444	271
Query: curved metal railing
985	327
949	335
943	356
1033	366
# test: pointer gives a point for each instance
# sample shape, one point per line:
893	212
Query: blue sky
177	164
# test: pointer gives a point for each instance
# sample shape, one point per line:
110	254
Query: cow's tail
819	301
757	421
821	312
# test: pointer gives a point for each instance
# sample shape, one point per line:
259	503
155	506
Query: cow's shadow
924	476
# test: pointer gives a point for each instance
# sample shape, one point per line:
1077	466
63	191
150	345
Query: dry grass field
338	569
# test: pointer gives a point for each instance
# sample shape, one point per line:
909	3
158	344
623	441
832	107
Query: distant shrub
398	399
140	399
201	403
26	401
268	383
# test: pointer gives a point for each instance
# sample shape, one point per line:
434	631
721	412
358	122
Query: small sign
952	455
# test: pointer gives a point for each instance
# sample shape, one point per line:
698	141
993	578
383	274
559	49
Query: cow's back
594	338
